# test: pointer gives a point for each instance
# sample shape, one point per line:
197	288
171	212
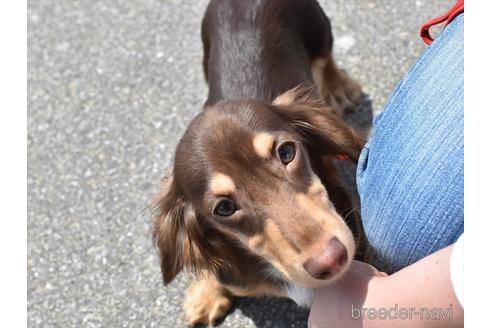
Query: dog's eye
286	152
225	208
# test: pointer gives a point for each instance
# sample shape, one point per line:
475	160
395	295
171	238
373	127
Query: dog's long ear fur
320	124
174	221
183	244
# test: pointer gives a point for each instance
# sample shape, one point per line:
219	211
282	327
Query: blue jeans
410	173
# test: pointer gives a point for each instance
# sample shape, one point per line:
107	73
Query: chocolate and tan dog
254	205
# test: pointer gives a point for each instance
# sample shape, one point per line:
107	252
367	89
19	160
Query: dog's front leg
206	301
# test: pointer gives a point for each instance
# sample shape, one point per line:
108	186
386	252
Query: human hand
333	305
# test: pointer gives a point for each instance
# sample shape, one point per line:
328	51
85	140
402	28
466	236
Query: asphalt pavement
111	87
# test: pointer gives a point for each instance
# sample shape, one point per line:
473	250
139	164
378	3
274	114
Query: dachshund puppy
254	205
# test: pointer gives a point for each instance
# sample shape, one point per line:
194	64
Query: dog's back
259	49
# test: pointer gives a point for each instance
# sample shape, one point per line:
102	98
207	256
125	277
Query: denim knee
410	173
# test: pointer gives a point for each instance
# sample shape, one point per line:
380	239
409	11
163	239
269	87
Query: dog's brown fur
255	52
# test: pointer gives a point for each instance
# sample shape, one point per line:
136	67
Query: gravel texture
111	88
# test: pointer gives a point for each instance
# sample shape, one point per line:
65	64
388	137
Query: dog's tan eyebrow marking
263	143
221	184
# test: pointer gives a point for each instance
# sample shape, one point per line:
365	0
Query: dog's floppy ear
173	224
320	124
182	242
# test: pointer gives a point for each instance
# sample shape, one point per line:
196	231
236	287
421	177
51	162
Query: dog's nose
328	262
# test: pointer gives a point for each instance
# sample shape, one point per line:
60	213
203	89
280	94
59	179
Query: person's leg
410	174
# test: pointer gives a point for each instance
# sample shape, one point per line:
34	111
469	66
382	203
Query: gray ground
111	87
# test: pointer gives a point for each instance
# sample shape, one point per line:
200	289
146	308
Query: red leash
458	8
342	157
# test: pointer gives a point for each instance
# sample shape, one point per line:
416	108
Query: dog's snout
328	262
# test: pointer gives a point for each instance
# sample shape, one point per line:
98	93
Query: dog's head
246	176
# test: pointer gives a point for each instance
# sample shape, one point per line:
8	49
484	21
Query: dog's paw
336	88
206	301
342	93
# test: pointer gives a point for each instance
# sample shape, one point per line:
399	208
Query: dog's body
255	205
260	49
